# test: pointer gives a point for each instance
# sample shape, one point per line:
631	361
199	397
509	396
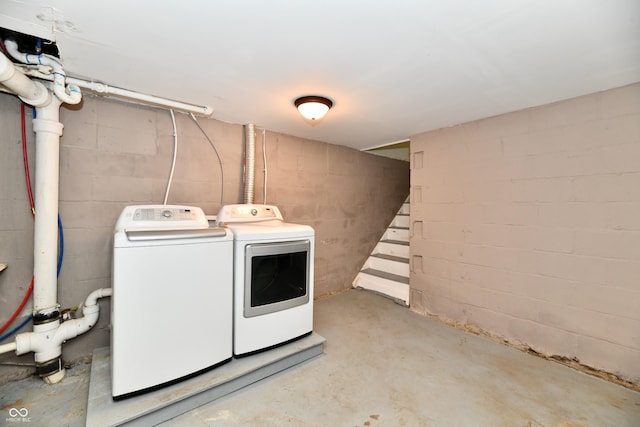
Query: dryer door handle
145	235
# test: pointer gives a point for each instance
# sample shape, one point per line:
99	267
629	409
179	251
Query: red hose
26	171
25	158
19	309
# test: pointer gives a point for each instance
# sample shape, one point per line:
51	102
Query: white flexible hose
173	161
264	165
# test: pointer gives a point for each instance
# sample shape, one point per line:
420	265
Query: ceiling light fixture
313	107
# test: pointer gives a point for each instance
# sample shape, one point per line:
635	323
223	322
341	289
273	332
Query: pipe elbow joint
92	299
72	328
90	313
41	97
32	92
68	94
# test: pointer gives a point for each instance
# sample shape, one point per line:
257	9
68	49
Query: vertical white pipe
48	131
249	163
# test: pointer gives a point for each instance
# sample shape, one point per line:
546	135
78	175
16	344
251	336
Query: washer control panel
144	217
248	213
166	213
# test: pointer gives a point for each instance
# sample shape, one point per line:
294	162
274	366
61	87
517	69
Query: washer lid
152	235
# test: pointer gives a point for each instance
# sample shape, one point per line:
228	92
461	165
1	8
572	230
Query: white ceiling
393	67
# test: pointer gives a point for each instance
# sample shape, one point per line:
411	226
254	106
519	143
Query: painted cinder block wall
526	226
115	154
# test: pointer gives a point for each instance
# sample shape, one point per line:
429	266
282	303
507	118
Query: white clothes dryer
273	277
171	311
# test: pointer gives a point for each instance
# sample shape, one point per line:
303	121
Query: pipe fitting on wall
32	93
43	341
50	314
48	126
46	339
69	94
52	371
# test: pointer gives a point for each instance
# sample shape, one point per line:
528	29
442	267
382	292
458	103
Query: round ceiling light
313	107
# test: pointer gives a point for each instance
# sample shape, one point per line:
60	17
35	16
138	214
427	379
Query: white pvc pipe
6	348
33	93
73	96
90	312
51	63
46	339
70	94
93	297
249	163
102	88
48	130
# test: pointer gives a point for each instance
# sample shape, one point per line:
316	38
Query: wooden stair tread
385	275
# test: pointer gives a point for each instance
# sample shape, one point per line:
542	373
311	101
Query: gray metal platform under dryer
160	405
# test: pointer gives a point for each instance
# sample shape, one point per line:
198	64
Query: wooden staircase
386	271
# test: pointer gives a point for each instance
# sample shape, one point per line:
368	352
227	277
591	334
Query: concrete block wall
115	154
526	226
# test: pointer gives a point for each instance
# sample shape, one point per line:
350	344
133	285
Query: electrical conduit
173	160
215	150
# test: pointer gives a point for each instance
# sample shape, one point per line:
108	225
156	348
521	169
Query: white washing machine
273	277
171	310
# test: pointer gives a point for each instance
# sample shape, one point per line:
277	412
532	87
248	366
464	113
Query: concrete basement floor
383	365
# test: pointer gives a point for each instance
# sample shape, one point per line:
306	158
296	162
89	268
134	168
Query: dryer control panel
145	217
248	213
